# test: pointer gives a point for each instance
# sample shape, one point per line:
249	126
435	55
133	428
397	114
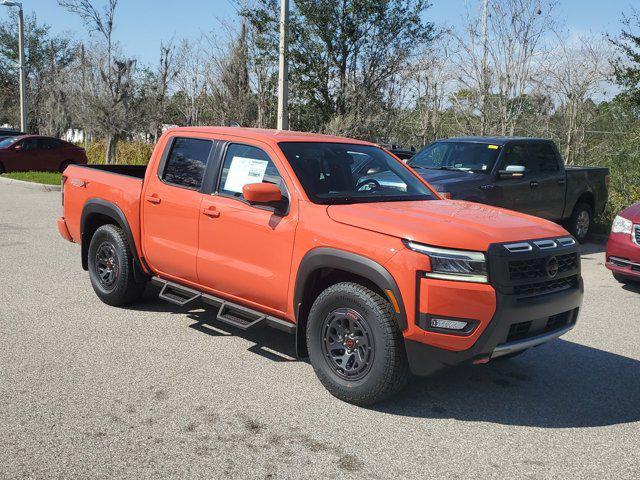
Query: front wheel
355	346
579	224
111	267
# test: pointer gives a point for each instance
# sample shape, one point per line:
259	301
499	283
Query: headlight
460	265
621	225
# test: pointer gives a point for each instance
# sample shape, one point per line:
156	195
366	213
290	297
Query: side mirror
261	193
18	148
513	171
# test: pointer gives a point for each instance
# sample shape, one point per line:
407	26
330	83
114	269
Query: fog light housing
448	325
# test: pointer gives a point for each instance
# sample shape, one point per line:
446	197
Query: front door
171	208
245	250
516	193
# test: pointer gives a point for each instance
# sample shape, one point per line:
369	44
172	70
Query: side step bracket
230	313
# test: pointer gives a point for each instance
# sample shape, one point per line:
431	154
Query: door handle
562	181
155	199
533	184
211	211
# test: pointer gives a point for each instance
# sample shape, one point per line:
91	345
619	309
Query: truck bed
119	184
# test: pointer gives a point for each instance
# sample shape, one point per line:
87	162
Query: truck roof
494	140
271	136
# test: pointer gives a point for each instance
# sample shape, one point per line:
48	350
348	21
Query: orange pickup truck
289	230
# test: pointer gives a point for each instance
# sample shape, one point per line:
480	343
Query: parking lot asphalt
153	391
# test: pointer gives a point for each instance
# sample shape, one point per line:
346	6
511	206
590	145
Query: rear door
245	250
515	193
49	154
549	188
171	207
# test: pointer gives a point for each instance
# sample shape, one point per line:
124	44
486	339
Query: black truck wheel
355	346
579	224
111	267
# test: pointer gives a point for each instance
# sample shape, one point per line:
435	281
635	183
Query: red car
35	153
623	247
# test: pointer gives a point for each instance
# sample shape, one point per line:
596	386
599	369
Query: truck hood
632	213
445	223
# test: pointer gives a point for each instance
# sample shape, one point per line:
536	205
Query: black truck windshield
464	156
332	173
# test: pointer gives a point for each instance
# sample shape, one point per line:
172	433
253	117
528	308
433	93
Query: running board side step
230	313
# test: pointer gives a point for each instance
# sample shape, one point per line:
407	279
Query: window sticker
493	147
244	171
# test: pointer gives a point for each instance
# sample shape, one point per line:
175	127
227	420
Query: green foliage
46	178
127	153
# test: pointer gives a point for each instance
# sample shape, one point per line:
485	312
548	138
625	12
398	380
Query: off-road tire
573	225
388	371
1	168
124	289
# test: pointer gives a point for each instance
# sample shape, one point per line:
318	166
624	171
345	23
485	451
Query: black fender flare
325	257
111	210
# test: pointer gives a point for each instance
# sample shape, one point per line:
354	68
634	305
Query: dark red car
35	153
623	247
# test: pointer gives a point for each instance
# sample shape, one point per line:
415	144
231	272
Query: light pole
283	77
21	67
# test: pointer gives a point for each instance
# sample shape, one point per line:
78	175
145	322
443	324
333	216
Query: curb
30	185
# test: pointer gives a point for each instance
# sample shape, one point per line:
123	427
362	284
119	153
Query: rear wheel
1	168
355	346
579	224
111	267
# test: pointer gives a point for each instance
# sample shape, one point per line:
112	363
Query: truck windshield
332	173
464	156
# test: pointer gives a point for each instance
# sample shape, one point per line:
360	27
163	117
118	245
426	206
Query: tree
108	102
344	55
627	65
48	60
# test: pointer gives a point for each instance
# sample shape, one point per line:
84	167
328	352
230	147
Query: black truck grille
550	286
535	267
636	231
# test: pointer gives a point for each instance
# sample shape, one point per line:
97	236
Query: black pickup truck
523	174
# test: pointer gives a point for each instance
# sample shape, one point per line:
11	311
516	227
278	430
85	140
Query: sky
142	24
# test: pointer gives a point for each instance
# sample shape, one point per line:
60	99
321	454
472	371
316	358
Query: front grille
636	231
550	286
534	268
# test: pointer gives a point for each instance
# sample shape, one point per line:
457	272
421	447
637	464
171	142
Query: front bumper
495	340
623	255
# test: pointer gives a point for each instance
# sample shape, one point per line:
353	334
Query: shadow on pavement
558	385
592	247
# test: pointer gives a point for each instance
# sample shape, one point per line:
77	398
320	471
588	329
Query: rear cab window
187	162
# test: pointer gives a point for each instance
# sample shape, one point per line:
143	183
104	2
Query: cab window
245	164
518	155
187	162
544	157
